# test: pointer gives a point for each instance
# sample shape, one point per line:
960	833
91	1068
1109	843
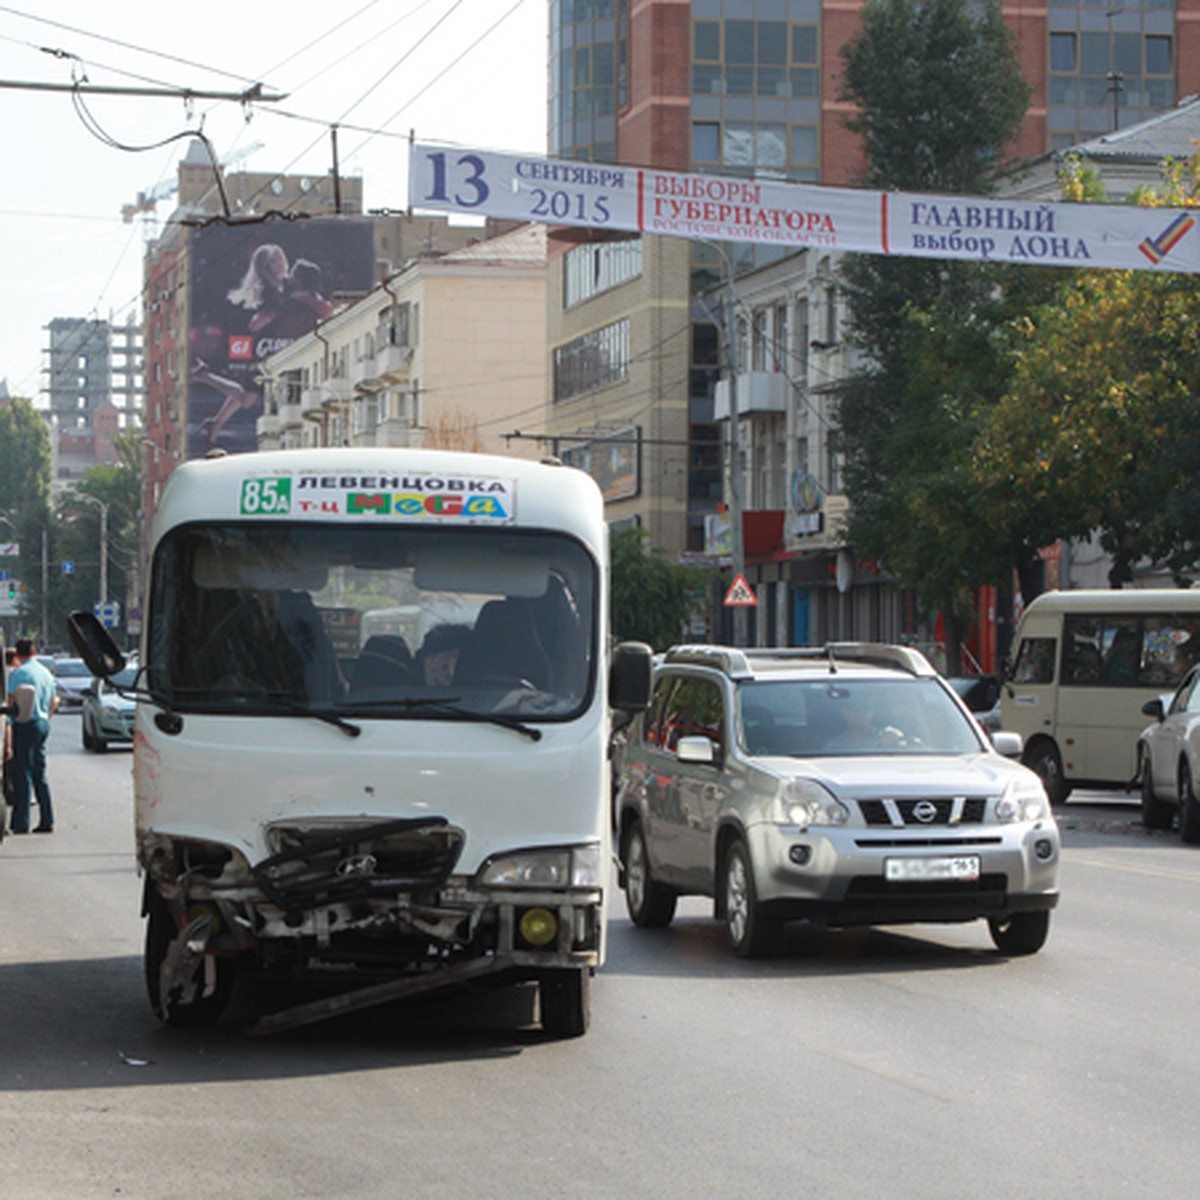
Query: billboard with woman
255	287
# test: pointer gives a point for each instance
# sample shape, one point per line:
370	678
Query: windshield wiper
282	699
449	705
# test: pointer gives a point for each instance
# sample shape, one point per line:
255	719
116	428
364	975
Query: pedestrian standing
30	731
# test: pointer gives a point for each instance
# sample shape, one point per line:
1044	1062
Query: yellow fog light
539	926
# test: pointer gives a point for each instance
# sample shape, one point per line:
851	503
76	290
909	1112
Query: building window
589	270
595	360
764	148
755	58
1109	78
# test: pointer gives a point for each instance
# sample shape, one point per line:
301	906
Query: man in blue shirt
29	734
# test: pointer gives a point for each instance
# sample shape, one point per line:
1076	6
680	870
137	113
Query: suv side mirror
629	677
94	644
695	748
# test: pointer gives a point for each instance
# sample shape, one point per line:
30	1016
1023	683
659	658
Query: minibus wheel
160	933
1044	760
565	997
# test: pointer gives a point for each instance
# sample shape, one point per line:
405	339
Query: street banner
724	208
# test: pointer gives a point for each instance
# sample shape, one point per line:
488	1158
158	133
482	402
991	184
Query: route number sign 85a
266	496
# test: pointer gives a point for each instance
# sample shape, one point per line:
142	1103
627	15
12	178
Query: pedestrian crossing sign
740	594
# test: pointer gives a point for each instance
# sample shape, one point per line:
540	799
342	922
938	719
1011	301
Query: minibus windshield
385	622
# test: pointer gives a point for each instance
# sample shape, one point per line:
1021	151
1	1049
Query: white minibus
320	795
1083	664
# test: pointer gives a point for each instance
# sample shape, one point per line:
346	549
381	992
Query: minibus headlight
1023	800
562	866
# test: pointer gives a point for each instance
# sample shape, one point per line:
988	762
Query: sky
471	72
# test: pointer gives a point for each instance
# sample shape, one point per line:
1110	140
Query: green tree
1099	430
119	489
651	600
25	481
939	95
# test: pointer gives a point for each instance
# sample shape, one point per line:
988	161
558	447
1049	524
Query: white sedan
1169	759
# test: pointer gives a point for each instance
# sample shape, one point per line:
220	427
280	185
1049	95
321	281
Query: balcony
334	392
393	364
365	375
757	392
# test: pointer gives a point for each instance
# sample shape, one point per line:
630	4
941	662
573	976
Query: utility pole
738	549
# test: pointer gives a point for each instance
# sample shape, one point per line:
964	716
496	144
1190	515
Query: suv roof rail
735	661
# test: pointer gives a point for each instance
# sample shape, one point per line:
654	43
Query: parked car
107	716
1168	758
981	694
846	786
71	678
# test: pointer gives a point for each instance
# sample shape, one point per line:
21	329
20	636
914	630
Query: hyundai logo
925	811
357	864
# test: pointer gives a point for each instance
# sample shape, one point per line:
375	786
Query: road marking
1156	872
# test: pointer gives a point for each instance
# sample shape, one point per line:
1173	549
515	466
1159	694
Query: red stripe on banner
883	223
641	201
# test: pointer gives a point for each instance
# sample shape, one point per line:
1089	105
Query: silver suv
847	785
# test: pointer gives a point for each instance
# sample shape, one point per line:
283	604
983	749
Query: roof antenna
833	670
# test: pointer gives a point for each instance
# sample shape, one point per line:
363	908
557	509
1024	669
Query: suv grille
956	810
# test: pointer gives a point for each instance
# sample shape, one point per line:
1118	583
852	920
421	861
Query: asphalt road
908	1063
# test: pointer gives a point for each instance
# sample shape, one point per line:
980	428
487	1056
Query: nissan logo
357	864
925	811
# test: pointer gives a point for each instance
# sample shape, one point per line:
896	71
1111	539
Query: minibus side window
1172	646
1035	661
1083	653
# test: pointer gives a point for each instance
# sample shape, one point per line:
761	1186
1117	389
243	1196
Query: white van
1083	664
311	795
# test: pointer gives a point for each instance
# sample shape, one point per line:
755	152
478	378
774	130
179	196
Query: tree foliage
939	95
78	538
1099	430
651	599
25	480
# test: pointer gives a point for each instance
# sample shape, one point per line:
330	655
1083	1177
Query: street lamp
103	542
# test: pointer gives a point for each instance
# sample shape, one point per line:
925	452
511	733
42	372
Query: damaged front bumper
379	900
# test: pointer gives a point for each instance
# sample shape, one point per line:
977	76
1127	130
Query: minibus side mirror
629	677
1154	708
93	643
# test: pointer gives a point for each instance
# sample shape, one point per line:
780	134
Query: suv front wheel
650	904
752	934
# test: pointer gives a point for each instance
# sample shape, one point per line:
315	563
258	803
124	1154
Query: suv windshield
837	715
379	622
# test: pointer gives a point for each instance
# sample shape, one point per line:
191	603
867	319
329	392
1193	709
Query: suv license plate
962	867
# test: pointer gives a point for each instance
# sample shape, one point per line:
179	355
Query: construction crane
146	202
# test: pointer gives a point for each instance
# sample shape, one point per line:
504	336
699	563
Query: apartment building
448	352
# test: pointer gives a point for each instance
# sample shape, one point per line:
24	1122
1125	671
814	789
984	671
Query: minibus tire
565	998
1045	761
160	932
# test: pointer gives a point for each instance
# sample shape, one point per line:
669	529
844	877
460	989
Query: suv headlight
804	802
559	867
1023	800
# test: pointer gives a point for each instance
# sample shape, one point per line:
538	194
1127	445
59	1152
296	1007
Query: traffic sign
10	549
109	613
68	567
740	594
